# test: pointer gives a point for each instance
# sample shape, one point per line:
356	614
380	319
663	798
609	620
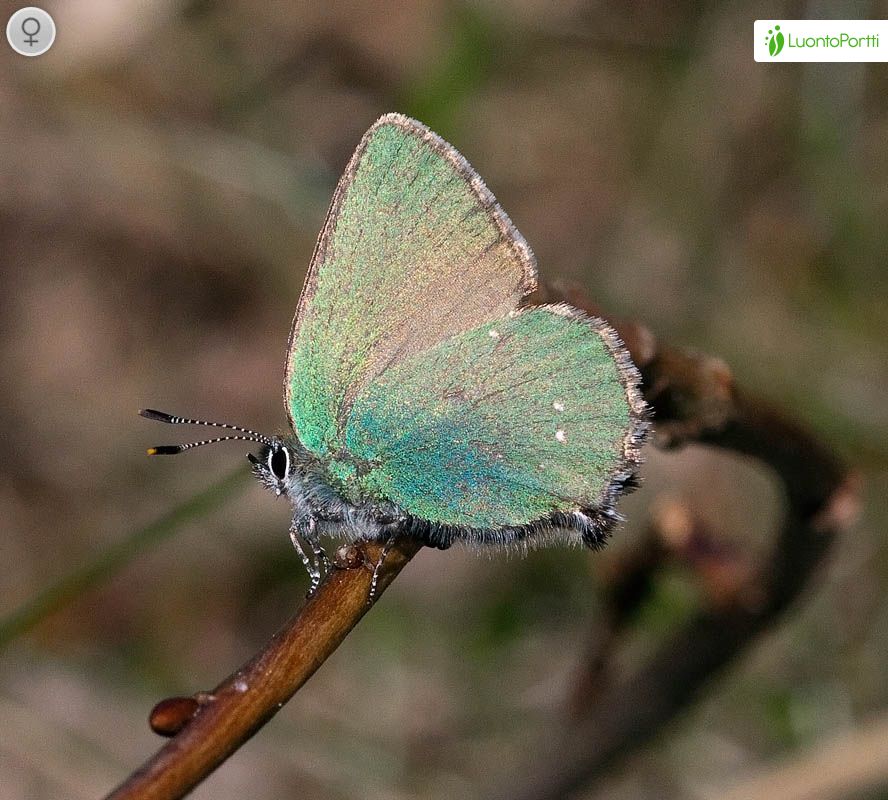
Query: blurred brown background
164	172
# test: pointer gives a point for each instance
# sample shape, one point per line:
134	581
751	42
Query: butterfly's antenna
172	449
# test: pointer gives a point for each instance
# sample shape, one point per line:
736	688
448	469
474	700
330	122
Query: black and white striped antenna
242	435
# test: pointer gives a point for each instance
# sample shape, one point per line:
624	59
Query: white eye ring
271	454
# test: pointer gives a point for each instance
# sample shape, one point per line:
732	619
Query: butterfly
423	396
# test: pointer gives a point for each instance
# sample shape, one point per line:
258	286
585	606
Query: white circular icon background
30	31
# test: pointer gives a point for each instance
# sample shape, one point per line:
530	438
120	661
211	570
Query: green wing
502	425
415	250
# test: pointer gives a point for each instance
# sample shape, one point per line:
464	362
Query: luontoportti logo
820	40
775	40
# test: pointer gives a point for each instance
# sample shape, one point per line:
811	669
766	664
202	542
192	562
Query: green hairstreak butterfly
422	396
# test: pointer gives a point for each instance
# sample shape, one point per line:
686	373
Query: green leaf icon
775	41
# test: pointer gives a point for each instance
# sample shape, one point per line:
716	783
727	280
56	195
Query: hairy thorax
327	491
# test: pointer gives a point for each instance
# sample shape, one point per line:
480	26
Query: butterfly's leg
322	560
386	549
305	527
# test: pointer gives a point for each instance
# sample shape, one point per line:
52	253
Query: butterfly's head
274	466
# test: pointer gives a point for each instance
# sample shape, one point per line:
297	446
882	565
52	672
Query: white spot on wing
558	405
561	436
493	334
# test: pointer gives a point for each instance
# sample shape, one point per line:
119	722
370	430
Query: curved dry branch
694	399
239	706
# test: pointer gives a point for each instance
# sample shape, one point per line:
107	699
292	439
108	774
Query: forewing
503	425
414	250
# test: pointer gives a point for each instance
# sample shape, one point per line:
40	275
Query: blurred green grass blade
438	94
115	557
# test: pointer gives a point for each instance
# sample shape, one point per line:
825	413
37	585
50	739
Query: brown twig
694	399
229	715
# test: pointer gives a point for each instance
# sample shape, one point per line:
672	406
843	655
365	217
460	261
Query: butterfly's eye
279	462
